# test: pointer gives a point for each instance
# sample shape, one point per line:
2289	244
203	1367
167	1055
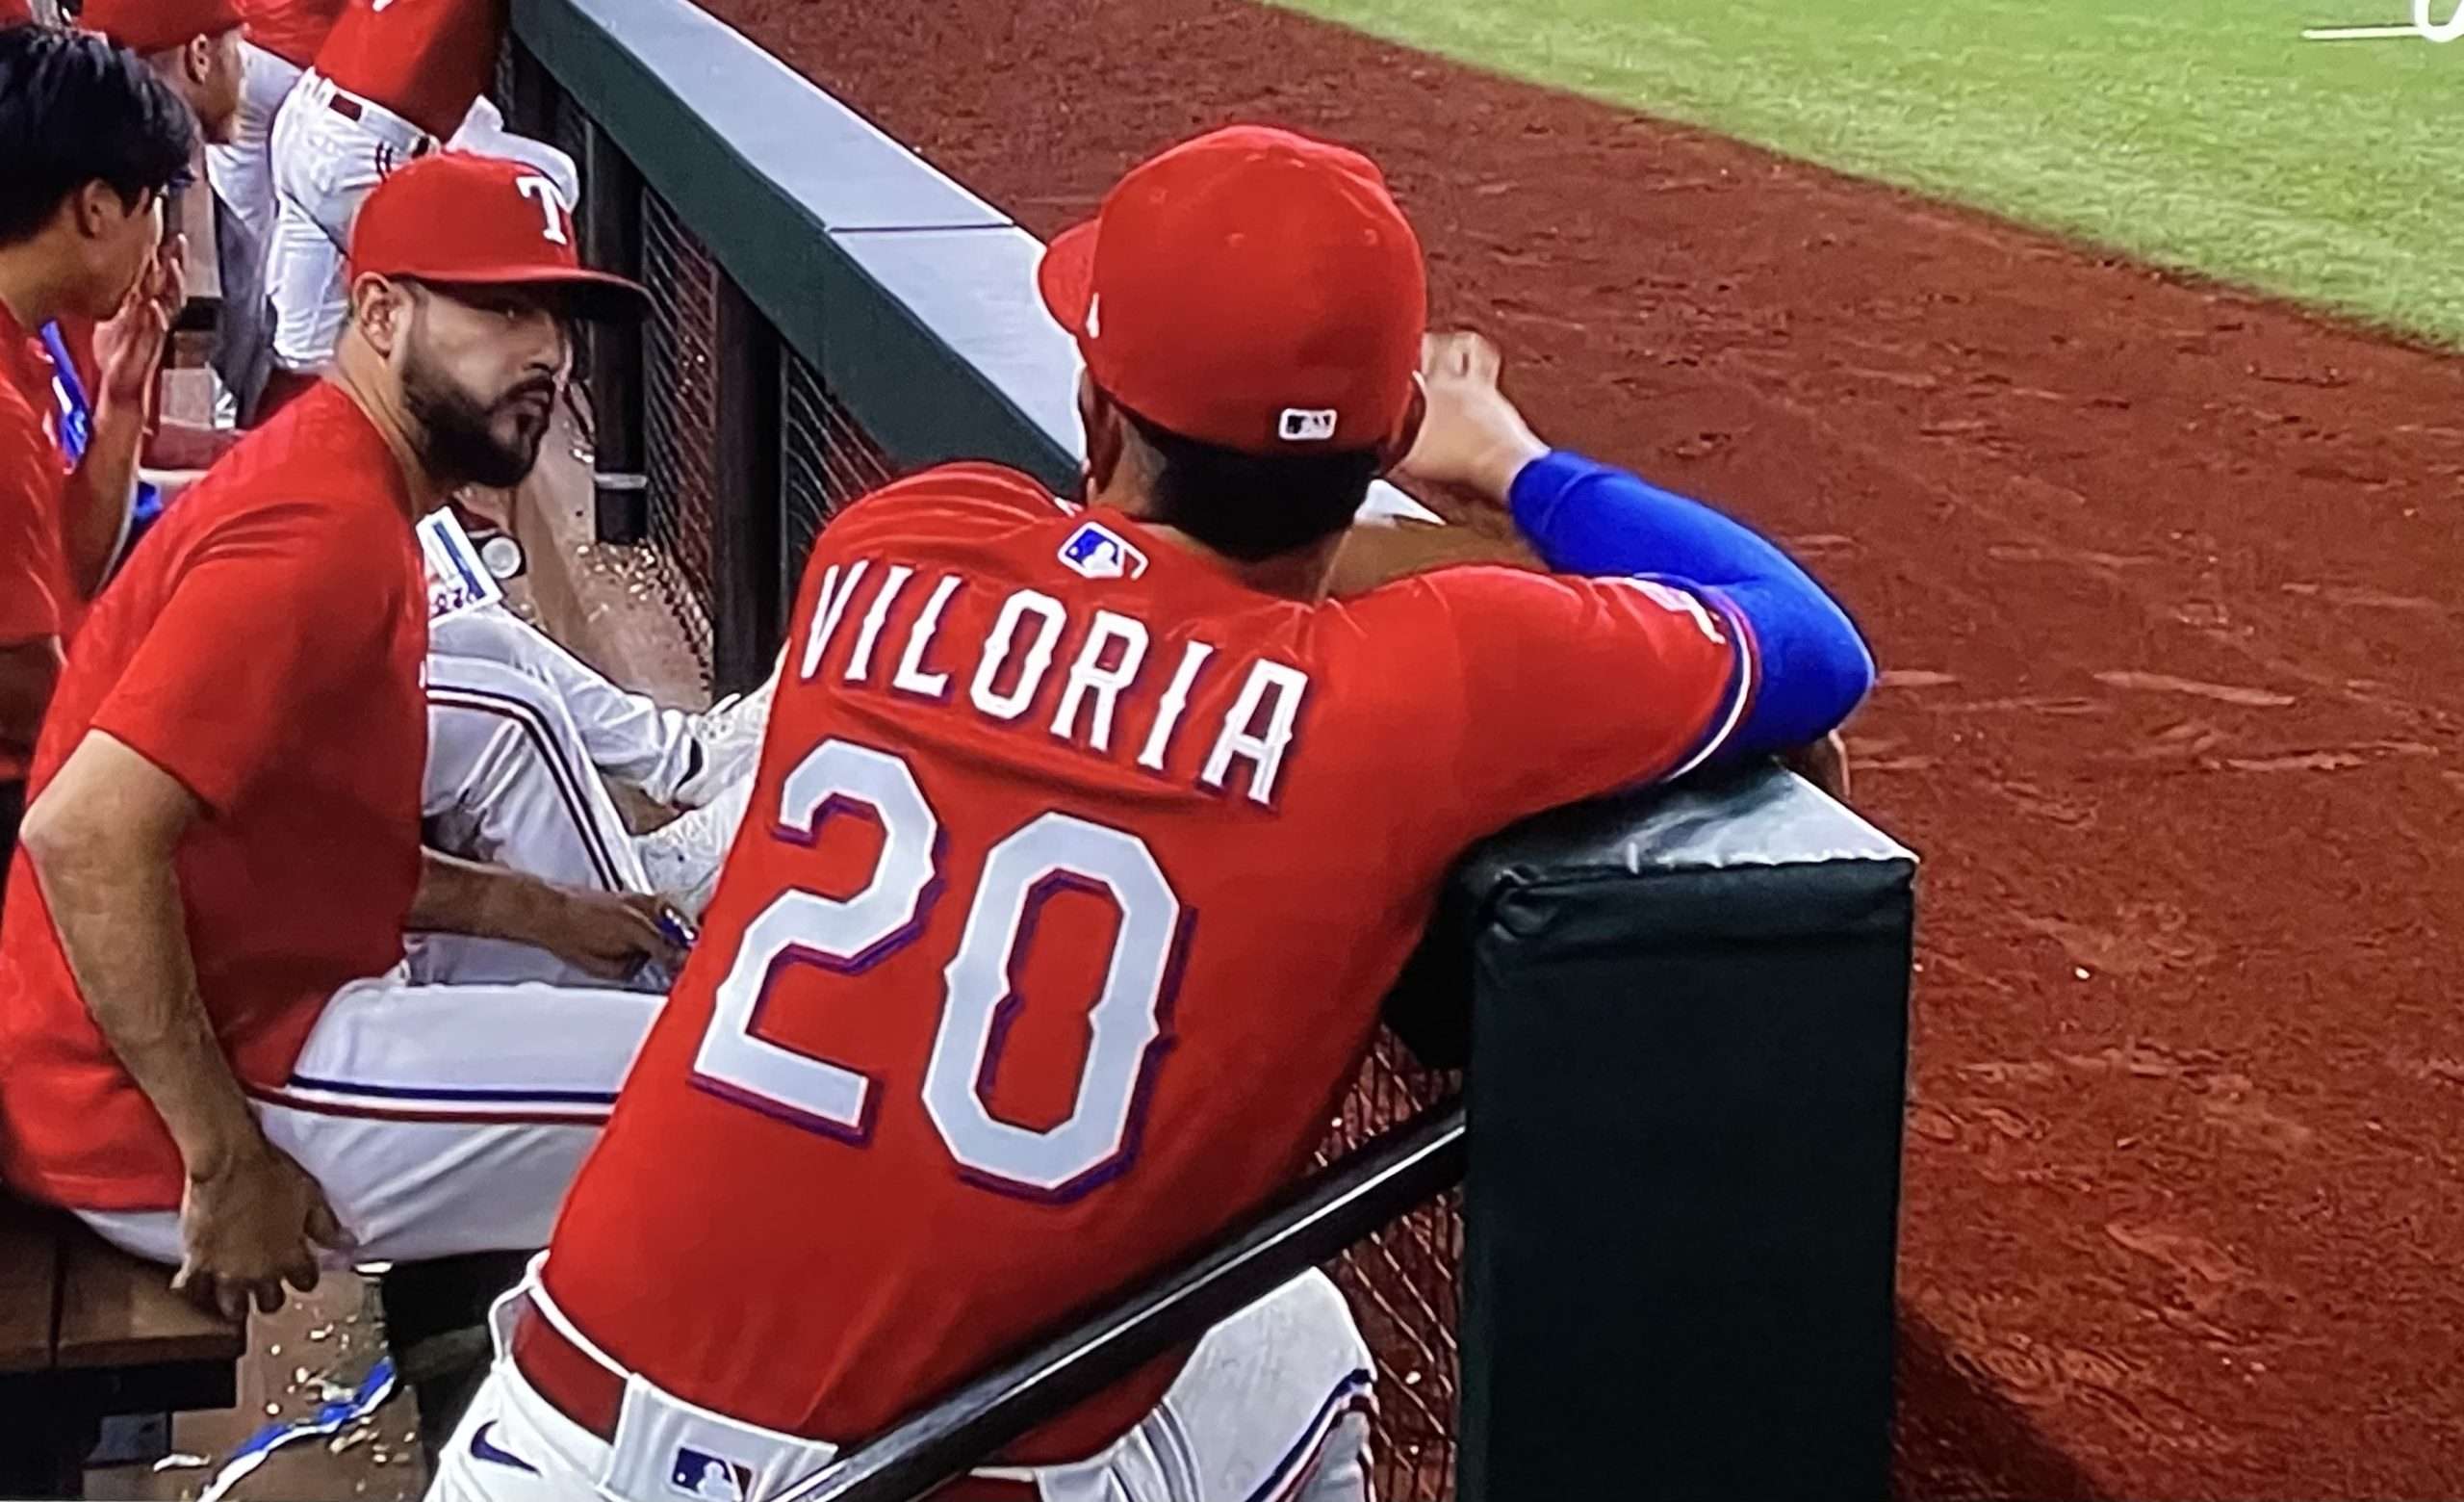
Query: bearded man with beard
209	1048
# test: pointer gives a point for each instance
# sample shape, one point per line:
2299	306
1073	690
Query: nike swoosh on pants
481	1449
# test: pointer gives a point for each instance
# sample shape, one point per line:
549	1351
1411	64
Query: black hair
76	110
1252	506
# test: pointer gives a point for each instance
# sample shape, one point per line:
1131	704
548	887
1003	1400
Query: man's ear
381	309
97	209
196	59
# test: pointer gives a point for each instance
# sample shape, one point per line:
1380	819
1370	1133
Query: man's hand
1473	439
611	937
249	1224
130	347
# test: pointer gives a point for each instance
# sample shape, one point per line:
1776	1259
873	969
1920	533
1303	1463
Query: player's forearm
1585	517
115	904
99	491
459	897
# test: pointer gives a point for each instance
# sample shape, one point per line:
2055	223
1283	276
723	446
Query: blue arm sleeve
1585	517
69	395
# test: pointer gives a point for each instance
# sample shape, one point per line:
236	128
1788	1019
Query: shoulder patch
1094	551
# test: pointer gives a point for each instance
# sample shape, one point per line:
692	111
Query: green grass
2205	134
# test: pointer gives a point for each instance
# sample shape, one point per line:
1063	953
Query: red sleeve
1573	687
271	618
31	569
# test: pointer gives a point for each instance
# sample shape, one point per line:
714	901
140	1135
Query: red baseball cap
1252	288
158	25
456	218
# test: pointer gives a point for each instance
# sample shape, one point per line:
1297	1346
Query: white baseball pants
522	738
324	166
1273	1407
628	735
509	782
439	1119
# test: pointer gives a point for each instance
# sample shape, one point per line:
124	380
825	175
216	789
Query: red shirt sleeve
31	572
1572	688
271	618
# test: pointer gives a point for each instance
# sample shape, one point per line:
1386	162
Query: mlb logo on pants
698	1473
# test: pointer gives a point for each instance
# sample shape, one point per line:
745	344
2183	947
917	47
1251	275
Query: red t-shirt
263	647
425	59
39	600
1059	926
291	30
15	12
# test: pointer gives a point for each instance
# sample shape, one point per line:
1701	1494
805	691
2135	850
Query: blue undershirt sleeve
1811	665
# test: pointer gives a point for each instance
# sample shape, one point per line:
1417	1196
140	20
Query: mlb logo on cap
698	1473
1097	552
1305	424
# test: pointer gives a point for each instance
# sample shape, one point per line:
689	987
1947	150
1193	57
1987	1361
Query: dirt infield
2162	577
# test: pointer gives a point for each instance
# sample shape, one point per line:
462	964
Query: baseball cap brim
598	296
1067	276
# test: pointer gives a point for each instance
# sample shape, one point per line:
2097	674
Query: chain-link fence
1402	1280
1401	1284
680	416
826	458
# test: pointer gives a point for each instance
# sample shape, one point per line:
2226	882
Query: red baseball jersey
425	59
1075	877
291	30
263	645
38	599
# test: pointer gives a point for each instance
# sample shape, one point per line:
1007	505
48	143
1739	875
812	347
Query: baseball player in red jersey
93	142
394	81
1083	844
206	1047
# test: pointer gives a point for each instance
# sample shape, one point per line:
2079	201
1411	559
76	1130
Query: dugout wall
1684	1015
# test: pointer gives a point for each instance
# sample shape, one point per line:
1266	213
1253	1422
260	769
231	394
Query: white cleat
729	733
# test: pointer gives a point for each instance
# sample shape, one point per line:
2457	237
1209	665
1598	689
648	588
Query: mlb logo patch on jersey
698	1473
1098	551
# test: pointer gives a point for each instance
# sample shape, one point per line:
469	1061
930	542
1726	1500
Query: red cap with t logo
1252	288
459	220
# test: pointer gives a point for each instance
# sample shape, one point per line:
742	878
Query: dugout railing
1686	1013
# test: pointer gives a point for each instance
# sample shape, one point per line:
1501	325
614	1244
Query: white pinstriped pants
522	738
439	1119
1273	1406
